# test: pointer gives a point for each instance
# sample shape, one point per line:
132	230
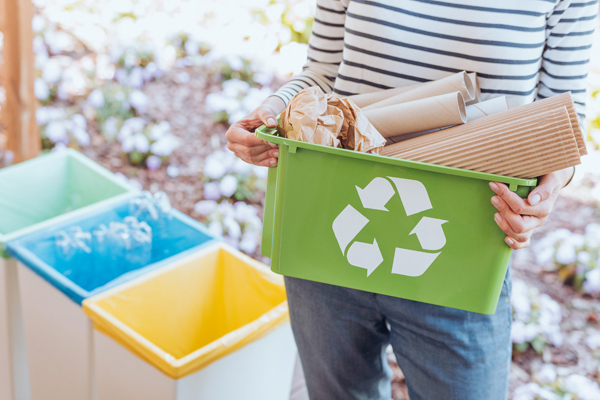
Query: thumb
267	116
543	191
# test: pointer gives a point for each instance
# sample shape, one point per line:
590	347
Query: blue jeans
445	354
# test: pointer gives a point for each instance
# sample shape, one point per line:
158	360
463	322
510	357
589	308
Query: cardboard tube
454	83
419	115
485	108
366	99
475	81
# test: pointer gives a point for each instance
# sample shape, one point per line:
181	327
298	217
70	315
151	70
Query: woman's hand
243	143
518	217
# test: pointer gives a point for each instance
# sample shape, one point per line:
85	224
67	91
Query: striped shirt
524	49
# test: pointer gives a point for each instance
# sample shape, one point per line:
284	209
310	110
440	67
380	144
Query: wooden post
23	137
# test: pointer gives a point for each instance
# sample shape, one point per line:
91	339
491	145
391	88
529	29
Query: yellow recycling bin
213	325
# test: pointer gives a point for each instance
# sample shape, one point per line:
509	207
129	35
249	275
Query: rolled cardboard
419	115
524	142
486	108
366	99
454	83
475	81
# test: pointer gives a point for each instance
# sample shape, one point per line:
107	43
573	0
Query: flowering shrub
238	223
575	256
549	385
148	143
536	319
226	176
62	127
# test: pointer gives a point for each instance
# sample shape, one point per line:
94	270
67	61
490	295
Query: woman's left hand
518	217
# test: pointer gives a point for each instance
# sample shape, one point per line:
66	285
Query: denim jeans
445	354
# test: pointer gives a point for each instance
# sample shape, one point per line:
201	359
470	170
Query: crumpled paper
315	117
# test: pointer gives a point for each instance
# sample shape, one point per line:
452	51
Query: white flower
40	89
192	47
110	127
135	124
216	102
37	23
565	254
205	207
82	137
249	242
136	78
591	284
79	120
232	227
212	191
139	101
584	257
517	332
583	387
214	168
173	171
96	99
547	374
235	62
528	391
56	131
52	71
235	87
260	172
165	145
544	255
216	229
241	167
228	185
236	116
153	163
127	144
142	145
593	341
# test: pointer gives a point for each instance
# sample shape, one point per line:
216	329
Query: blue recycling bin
58	335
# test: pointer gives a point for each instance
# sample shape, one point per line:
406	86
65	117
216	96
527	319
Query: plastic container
213	325
396	227
58	335
33	195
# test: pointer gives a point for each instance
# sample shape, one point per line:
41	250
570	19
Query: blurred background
148	88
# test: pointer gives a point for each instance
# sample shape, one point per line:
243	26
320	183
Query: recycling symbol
375	196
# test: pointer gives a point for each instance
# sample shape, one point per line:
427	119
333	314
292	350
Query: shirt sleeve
325	47
566	57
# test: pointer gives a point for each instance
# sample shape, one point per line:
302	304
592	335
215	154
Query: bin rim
271	135
18	250
130	191
177	368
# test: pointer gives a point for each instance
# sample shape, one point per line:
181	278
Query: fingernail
494	186
271	121
498	218
495	201
533	200
510	242
272	163
276	153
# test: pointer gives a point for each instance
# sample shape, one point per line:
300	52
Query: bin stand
14	379
58	337
244	374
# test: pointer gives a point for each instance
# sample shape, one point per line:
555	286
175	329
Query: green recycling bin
401	228
35	194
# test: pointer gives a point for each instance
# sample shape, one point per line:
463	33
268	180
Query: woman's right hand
244	144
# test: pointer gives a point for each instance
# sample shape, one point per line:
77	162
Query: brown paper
419	115
454	83
475	82
524	142
314	117
486	108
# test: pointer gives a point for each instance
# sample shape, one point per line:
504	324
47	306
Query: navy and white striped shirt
525	49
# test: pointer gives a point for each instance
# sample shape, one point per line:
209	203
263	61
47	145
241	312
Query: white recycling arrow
376	194
347	225
365	255
412	263
430	233
413	195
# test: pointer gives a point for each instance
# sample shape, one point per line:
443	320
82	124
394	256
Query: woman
524	49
